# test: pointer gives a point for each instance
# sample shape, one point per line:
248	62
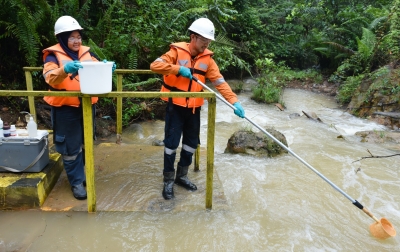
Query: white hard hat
203	27
66	23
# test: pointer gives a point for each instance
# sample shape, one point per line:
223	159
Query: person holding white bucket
179	65
60	71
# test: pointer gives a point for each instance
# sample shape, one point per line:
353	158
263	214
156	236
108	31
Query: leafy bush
269	87
274	77
348	88
385	81
267	91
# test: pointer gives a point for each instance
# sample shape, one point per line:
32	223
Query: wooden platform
128	177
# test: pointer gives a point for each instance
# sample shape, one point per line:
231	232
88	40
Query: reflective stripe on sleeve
219	81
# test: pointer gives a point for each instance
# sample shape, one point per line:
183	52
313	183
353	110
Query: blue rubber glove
72	67
113	67
239	111
185	72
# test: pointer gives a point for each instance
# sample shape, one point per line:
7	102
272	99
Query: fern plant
390	42
366	44
23	26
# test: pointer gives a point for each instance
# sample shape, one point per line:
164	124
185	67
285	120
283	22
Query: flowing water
271	204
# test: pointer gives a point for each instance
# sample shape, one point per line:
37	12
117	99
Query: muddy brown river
263	204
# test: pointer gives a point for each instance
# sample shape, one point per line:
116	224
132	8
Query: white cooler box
24	154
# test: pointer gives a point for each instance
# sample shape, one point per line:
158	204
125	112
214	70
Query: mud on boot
168	191
183	180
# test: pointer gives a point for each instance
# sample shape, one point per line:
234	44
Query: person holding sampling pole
60	71
179	65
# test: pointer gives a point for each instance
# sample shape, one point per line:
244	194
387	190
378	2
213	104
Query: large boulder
258	144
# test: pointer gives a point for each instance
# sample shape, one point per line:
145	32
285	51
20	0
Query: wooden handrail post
29	87
89	154
212	104
119	108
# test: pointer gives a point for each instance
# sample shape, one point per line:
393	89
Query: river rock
387	139
376	136
257	144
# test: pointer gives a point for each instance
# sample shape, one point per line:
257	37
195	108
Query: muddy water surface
264	204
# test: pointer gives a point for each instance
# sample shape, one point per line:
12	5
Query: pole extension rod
355	202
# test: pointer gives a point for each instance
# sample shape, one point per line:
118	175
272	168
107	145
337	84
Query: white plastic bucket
96	77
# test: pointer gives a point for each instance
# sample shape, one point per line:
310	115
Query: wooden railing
119	94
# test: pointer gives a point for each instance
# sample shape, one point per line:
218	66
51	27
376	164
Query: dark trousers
180	122
67	124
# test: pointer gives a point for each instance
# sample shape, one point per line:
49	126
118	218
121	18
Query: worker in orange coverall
60	71
182	62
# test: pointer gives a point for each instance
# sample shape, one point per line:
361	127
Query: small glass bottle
6	130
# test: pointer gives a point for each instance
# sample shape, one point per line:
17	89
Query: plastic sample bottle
13	131
1	128
32	128
6	130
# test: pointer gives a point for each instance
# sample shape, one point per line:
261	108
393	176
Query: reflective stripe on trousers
68	139
180	122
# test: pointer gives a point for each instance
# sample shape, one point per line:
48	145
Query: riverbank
326	88
106	127
390	138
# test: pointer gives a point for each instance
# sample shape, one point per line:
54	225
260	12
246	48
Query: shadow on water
259	204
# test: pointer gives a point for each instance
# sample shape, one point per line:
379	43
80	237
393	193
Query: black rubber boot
183	180
168	191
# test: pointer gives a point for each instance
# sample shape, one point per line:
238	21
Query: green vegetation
346	41
273	78
346	91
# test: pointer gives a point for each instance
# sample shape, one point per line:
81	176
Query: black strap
197	71
55	89
170	88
